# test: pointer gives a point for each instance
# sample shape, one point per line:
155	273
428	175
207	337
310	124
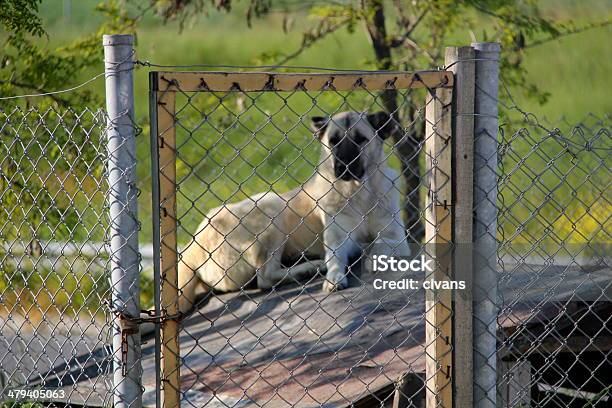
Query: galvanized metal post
124	254
485	223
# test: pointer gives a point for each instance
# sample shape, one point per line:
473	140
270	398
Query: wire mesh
55	287
552	263
554	237
285	186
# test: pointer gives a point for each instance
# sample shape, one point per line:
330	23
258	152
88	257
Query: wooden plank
591	397
168	250
513	384
438	146
438	234
461	63
551	345
266	81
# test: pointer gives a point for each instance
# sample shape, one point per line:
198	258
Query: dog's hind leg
188	283
274	274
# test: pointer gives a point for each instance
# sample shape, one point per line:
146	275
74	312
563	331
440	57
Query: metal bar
166	150
266	81
438	234
461	62
122	201
485	223
155	202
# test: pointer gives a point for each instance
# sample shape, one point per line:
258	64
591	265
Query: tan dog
351	199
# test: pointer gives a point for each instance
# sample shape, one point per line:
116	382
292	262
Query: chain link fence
59	251
69	255
554	262
53	256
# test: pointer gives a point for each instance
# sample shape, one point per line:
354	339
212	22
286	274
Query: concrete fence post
485	223
460	60
123	231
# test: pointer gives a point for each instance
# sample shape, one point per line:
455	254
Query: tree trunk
408	143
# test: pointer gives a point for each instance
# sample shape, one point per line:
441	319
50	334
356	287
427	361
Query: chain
130	325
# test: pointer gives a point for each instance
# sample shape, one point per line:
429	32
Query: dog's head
353	142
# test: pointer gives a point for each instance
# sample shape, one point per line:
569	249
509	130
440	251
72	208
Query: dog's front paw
333	286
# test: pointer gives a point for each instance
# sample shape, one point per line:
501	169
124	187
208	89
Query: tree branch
308	40
568	33
413	44
377	31
400	40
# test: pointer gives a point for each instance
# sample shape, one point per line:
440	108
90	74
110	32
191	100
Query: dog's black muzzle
347	161
353	171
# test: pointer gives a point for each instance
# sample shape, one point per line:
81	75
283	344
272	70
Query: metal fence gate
260	176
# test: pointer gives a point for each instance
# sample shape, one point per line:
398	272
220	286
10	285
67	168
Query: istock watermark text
390	264
384	263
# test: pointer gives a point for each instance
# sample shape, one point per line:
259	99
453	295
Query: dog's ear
319	125
383	124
